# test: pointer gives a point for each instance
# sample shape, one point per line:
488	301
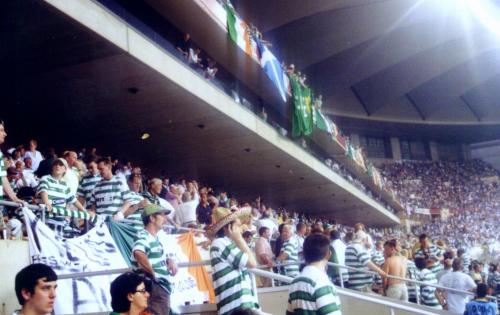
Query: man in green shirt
148	254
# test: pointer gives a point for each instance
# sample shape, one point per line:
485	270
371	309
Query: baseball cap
62	161
153	209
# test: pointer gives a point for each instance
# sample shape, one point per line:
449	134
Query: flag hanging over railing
375	175
105	247
359	158
302	120
191	285
94	251
272	68
239	32
321	121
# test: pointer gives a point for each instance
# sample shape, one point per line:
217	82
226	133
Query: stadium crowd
469	191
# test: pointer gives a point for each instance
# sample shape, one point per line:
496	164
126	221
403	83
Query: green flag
297	123
124	235
231	22
307	110
302	120
321	121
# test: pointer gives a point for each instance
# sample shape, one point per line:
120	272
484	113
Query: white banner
185	289
93	251
423	211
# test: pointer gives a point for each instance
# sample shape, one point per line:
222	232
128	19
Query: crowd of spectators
275	235
462	185
468	190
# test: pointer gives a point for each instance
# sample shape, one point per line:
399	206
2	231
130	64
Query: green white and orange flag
239	31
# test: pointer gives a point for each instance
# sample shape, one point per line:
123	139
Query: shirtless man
394	265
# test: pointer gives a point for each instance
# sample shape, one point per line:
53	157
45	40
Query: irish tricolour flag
238	31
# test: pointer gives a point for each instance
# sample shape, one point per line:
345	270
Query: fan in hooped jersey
110	197
230	258
311	292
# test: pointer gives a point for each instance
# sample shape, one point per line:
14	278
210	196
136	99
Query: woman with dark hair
129	295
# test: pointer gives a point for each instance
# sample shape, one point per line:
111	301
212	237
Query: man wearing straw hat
230	257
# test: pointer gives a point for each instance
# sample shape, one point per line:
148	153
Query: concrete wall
434	151
395	148
438	151
274	301
14	256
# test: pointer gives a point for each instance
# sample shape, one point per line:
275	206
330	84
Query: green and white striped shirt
151	246
135	198
109	196
356	256
153	199
86	187
231	279
378	259
433	250
312	293
466	262
412	273
428	293
3	173
59	195
291	249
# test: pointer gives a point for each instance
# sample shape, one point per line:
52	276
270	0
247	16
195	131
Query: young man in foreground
35	287
311	291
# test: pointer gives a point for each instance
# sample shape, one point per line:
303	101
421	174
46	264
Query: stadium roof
421	65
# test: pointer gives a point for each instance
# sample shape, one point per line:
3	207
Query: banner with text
94	251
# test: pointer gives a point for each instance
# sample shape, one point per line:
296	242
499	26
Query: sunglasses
143	291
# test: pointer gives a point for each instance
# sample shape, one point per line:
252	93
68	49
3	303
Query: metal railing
392	305
43	209
258	269
437	286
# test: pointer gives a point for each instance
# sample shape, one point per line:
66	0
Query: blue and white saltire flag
272	68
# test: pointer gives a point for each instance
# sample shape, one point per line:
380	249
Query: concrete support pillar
396	148
466	152
434	151
355	140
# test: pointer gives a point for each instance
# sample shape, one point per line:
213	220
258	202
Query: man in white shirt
26	177
339	248
447	268
71	176
14	228
300	236
36	156
460	281
28	165
268	222
264	254
185	215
